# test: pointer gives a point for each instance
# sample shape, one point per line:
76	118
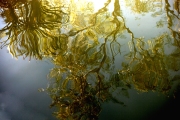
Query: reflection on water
95	51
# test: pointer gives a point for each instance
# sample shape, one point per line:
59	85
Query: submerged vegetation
84	44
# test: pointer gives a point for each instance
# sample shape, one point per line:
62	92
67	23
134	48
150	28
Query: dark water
19	84
119	60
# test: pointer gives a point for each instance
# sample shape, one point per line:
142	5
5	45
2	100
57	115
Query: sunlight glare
97	4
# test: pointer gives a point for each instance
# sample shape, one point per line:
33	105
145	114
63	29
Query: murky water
114	59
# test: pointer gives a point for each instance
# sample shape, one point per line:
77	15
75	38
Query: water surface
114	59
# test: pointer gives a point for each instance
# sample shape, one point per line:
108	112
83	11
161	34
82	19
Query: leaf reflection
85	46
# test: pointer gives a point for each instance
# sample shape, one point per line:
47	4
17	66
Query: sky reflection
97	60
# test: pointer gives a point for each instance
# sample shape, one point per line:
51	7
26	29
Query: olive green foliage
30	26
146	67
84	48
143	6
82	74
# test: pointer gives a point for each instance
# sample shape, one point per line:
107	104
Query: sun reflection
54	3
83	40
95	4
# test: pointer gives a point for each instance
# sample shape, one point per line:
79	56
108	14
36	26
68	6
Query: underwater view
89	59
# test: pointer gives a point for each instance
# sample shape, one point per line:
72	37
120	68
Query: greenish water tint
99	54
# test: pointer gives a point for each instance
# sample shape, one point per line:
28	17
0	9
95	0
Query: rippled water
114	59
